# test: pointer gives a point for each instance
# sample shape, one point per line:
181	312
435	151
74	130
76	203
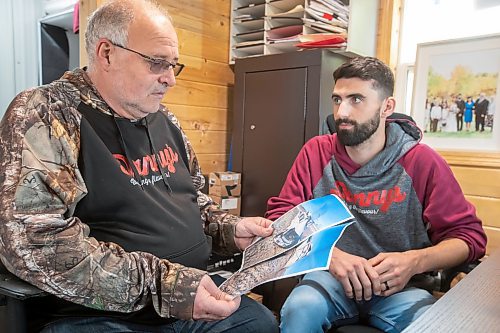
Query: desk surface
473	305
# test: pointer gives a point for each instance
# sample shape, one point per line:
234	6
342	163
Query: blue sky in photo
322	243
327	210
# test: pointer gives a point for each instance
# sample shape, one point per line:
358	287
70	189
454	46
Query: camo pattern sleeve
218	224
42	242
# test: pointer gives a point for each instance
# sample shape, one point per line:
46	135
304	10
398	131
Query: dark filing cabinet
280	102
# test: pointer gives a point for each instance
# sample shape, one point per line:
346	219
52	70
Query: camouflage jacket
41	185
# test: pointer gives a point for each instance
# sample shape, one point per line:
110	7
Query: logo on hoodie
167	158
382	198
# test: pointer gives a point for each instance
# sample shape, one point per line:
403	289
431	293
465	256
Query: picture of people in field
461	95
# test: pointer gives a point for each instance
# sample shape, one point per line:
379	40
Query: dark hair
368	69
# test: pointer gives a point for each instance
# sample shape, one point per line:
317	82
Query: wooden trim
473	159
86	8
389	19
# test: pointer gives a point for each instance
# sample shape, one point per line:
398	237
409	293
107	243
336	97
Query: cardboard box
224	184
231	204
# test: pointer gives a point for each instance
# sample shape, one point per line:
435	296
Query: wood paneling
472	159
209	142
206	71
488	209
493	235
479	176
201	46
388	31
478	181
207	18
198	94
202	118
213	162
86	7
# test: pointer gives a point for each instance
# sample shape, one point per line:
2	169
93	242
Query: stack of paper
327	16
248	35
289	33
322	40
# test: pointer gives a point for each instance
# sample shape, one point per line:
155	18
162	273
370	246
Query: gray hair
112	21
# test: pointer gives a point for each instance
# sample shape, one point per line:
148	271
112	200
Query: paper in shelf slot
247	50
284	32
244	17
322	41
311	23
326	18
250	24
323	36
336	6
248	3
292	39
256	10
285	5
283	21
328	13
248	43
249	35
297	11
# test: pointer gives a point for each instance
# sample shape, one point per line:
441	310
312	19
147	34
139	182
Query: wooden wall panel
209	142
202	118
488	209
86	7
493	235
198	94
479	176
208	18
206	71
478	181
205	47
213	162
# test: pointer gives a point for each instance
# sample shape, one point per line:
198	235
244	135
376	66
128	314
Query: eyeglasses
156	66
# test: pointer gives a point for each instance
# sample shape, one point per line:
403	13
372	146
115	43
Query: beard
359	133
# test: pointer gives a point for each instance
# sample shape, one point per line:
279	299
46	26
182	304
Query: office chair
13	292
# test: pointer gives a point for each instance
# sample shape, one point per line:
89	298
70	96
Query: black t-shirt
152	218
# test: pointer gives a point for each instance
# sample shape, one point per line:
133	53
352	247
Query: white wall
19	44
434	20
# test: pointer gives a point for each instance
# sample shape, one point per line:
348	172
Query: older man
100	201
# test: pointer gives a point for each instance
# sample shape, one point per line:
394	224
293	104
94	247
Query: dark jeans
250	317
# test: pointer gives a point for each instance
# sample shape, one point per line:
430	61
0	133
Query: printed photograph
296	225
312	254
456	89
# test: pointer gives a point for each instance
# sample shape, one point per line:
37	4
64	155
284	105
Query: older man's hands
210	303
250	227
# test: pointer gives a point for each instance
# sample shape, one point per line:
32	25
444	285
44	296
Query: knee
258	317
266	322
304	302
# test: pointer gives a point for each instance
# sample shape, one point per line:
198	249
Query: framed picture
456	92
